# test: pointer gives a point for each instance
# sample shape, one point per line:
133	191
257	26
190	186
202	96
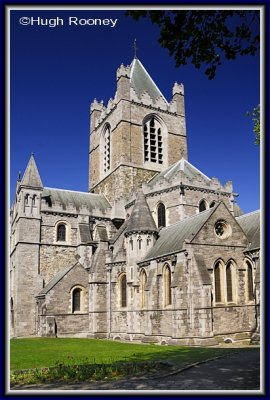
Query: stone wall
58	304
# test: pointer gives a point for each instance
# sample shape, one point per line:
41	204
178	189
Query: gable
221	229
71	274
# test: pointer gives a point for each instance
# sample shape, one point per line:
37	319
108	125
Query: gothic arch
218	281
122	283
167	281
106	149
161	215
154	140
249	280
231	280
143	281
203	205
225	279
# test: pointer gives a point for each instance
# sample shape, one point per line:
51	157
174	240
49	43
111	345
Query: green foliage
80	373
255	114
205	37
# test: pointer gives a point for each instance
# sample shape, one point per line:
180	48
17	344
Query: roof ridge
250	213
74	191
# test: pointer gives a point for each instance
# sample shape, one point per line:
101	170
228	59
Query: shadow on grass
136	364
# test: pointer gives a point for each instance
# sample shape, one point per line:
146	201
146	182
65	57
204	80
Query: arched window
153	150
123	290
212	204
161	215
202	205
107	148
76	300
139	243
249	281
217	276
167	286
131	244
229	282
143	280
61	232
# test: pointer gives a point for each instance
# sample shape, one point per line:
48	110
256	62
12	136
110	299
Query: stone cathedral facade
156	251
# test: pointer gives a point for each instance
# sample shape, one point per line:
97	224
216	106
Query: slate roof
54	281
85	233
141	219
77	199
119	232
141	81
31	176
171	239
183	165
250	224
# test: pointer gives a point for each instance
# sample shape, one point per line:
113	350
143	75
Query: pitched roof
85	233
141	219
250	224
141	81
183	165
31	176
171	239
77	199
54	281
200	261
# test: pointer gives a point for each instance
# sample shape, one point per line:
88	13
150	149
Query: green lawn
45	352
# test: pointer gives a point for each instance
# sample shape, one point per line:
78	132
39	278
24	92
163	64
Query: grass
82	359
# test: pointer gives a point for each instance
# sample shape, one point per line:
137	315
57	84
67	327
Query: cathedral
155	251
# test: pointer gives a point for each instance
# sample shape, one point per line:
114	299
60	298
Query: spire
31	176
142	82
141	219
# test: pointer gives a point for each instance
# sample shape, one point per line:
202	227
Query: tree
256	121
205	37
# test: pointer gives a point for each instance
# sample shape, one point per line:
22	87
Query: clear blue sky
57	72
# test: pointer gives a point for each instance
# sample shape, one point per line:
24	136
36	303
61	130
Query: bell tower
136	135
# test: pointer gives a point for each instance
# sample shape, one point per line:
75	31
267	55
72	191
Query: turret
141	231
25	239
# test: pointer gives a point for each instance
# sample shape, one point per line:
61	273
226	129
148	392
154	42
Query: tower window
107	149
153	150
161	215
61	233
